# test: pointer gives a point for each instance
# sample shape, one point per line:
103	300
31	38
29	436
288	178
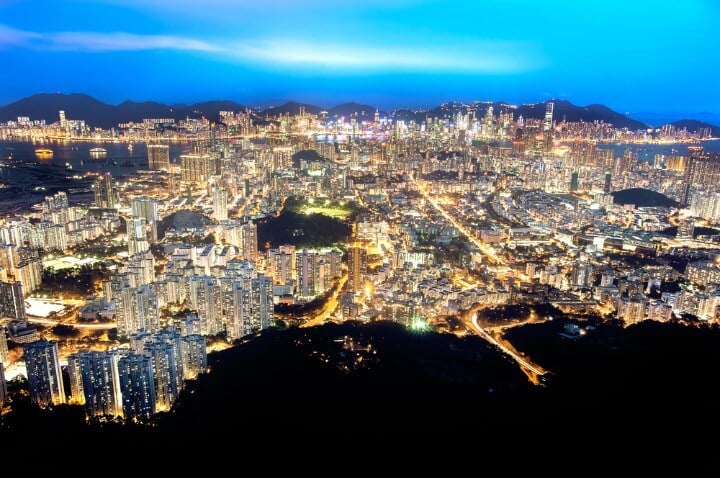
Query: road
330	305
533	371
101	326
493	258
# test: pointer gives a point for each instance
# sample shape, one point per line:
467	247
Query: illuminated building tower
77	391
249	242
548	126
198	168
171	335
238	323
12	300
631	310
63	120
104	191
101	383
194	355
205	297
281	264
158	157
137	235
548	120
574	182
43	372
165	374
140	269
357	267
220	197
137	386
582	274
307	267
3	385
608	183
3	345
146	208
137	309
685	228
252	307
262	302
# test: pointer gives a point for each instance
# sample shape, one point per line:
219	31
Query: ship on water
98	152
44	153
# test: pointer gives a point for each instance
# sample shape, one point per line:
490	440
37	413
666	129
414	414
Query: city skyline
390	54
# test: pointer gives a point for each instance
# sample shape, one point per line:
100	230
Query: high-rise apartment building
250	242
4	353
357	267
104	191
45	381
3	386
137	235
198	168
137	309
146	208
101	383
194	354
165	373
12	300
158	157
137	386
220	200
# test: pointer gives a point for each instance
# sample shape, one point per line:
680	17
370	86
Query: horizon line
274	103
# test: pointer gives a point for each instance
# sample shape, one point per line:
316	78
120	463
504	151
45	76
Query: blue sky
634	56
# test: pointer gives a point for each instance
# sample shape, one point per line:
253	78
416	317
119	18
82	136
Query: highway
330	305
533	372
101	326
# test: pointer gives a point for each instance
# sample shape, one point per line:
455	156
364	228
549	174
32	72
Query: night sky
633	56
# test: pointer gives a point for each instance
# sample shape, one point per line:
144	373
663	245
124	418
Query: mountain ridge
96	113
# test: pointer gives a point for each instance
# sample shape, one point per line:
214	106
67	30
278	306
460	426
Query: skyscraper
158	157
3	385
137	235
194	355
42	361
101	383
77	392
104	191
146	208
249	242
137	386
3	345
281	264
12	300
574	182
357	267
137	309
198	168
608	183
165	373
220	198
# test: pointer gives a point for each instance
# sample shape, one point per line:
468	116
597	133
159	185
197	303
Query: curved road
534	372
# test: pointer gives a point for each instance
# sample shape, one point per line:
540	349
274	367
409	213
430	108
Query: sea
121	159
647	151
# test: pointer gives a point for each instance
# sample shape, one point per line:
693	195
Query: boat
127	164
98	152
44	153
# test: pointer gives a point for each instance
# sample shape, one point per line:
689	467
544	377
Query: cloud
92	41
458	56
13	37
477	56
